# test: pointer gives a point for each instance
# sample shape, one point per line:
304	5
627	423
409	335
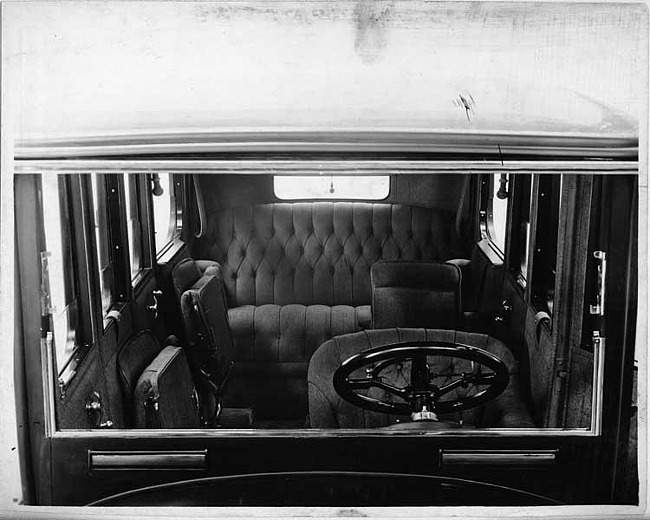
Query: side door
90	251
559	285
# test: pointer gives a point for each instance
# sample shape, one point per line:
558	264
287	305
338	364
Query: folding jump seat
199	290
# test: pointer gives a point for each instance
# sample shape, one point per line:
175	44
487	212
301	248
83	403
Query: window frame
486	214
176	214
547	207
519	244
333	198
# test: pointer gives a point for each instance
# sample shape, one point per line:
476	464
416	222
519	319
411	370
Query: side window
520	232
546	236
134	224
105	264
166	191
62	270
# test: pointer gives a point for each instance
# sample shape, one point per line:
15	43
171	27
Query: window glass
61	272
498	211
102	240
134	230
291	187
164	209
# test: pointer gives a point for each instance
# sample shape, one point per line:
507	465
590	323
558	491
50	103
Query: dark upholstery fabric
205	317
318	253
164	395
289	333
328	410
272	348
134	356
187	272
203	306
297	274
416	294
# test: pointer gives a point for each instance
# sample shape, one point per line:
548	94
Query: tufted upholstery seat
297	274
328	410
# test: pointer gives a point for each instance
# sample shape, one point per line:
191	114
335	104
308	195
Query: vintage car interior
295	290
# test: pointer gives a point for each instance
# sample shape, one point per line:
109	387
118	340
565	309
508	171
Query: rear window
292	187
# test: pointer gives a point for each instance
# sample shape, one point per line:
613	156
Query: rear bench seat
297	274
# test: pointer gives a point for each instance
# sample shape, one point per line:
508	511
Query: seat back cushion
319	253
165	396
416	294
134	356
328	410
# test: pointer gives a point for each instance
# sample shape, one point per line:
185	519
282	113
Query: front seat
329	410
416	294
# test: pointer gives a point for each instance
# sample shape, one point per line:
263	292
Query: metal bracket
95	413
46	299
561	371
599	308
154	307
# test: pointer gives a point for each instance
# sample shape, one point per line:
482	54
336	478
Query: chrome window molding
315	167
400	141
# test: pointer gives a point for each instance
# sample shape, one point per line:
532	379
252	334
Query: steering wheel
421	397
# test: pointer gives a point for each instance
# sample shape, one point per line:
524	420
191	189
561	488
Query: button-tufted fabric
318	253
328	410
273	345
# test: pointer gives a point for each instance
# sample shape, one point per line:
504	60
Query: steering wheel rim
380	357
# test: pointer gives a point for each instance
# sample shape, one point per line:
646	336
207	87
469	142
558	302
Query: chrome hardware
504	312
46	299
154	307
424	415
164	460
598	343
498	457
94	411
599	308
151	402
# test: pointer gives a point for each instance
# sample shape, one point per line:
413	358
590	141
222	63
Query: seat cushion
290	333
272	348
328	410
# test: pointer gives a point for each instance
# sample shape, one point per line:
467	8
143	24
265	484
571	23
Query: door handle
138	460
498	457
154	307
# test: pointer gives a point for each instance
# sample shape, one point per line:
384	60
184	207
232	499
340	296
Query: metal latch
561	372
599	307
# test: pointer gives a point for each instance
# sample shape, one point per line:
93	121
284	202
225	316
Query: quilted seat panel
318	253
290	333
272	348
